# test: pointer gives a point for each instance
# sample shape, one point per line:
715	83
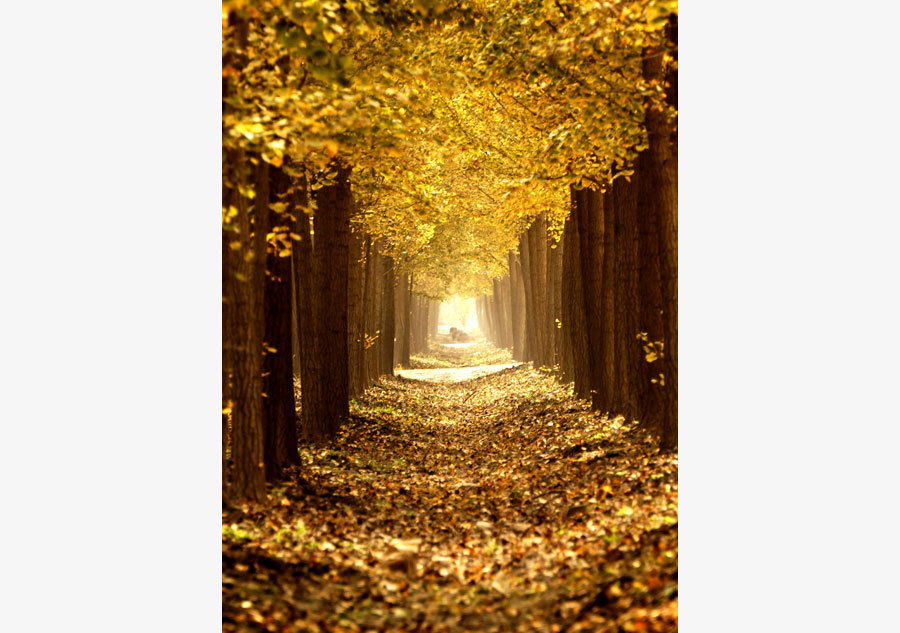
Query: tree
280	445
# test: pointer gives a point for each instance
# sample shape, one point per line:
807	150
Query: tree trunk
403	321
596	266
537	253
388	316
248	473
663	153
280	446
295	315
497	314
554	276
307	323
356	316
517	306
574	323
369	325
433	313
629	357
332	231
531	347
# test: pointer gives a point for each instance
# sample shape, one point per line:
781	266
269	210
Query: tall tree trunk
497	314
574	323
517	305
629	357
332	231
245	331
433	313
280	446
295	315
356	316
403	320
537	252
531	347
388	316
663	153
307	323
554	276
372	318
375	307
596	268
652	391
248	473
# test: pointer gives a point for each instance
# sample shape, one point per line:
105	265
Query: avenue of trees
379	157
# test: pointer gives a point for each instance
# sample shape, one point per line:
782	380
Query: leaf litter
497	504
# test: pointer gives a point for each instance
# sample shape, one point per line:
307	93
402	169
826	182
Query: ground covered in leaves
495	504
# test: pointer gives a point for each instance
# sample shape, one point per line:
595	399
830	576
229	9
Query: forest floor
499	503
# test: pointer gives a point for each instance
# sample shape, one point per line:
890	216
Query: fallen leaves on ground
497	504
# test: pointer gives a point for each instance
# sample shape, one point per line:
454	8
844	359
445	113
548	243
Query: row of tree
310	296
601	303
378	153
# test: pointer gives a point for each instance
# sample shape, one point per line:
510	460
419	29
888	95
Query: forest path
495	504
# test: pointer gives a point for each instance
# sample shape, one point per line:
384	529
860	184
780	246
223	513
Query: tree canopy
462	120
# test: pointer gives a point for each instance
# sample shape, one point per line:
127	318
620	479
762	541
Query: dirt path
494	504
453	374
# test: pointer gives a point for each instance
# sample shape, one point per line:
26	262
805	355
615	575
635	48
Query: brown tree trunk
356	316
246	292
414	325
517	307
531	347
388	316
663	155
497	314
403	320
307	324
554	276
537	253
280	446
629	357
595	237
652	392
574	322
295	315
433	312
332	232
374	308
369	325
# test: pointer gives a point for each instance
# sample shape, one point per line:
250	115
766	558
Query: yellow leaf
331	147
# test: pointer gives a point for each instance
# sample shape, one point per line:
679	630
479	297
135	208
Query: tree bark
531	347
574	323
537	253
663	158
403	321
305	266
280	446
332	242
554	276
248	473
517	305
629	357
356	316
596	241
388	317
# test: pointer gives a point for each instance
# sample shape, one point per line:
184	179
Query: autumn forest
449	315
